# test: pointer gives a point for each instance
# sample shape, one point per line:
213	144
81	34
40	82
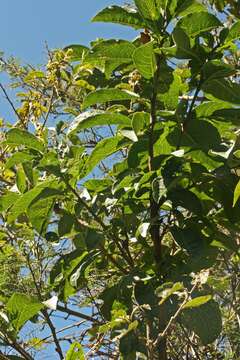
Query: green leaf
75	352
234	33
80	274
23	202
121	15
145	60
182	42
106	95
40	209
104	148
77	52
93	118
18	158
189	7
198	301
168	289
98	185
140	122
21	180
222	89
207	108
197	23
50	163
204	320
17	137
7	200
22	308
129	134
196	133
149	9
236	193
186	199
65	224
215	69
171	97
112	53
189	239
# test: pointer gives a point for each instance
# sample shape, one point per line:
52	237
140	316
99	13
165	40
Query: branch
77	314
54	334
154	207
12	105
173	318
45	313
189	113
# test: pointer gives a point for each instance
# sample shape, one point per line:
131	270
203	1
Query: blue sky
26	25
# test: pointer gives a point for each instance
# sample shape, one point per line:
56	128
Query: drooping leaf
21	308
120	15
18	137
189	239
23	202
103	149
186	199
106	95
93	118
196	133
40	208
145	60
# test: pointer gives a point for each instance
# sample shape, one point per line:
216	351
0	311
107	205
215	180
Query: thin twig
11	104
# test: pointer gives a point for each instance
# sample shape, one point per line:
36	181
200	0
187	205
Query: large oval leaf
112	53
22	308
225	90
104	148
23	202
120	15
145	60
17	137
196	23
204	320
105	95
90	119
